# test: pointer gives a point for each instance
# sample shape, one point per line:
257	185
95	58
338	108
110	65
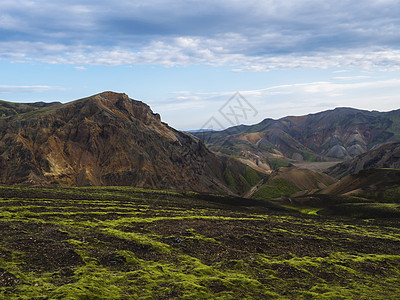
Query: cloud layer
248	36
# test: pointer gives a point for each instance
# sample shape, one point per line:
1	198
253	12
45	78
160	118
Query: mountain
385	156
12	109
342	133
109	139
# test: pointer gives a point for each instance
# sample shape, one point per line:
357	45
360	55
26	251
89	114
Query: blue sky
187	58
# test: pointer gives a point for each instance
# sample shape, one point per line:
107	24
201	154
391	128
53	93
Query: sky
189	59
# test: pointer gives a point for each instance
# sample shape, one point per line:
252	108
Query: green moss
308	156
230	180
391	195
365	210
140	238
304	209
277	163
245	183
251	176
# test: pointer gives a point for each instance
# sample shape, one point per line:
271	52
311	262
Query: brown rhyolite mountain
105	139
342	133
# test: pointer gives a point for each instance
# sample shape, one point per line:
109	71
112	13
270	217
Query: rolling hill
292	181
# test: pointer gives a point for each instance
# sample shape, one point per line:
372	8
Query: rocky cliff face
106	139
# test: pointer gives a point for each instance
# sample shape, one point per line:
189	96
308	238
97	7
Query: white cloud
80	68
5	89
195	50
350	77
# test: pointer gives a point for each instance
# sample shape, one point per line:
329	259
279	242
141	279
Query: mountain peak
112	96
109	98
114	105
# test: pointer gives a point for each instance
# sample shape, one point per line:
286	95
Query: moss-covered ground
127	243
277	188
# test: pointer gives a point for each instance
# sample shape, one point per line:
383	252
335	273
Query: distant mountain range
339	134
109	139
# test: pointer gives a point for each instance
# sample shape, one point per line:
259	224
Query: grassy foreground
127	243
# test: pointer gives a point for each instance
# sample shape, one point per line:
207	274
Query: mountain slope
372	193
108	139
386	156
371	181
341	133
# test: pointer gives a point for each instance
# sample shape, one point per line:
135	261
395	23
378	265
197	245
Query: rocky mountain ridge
341	133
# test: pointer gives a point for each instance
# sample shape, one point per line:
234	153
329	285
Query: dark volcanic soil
124	243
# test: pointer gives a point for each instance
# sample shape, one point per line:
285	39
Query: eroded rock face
337	151
385	156
106	139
